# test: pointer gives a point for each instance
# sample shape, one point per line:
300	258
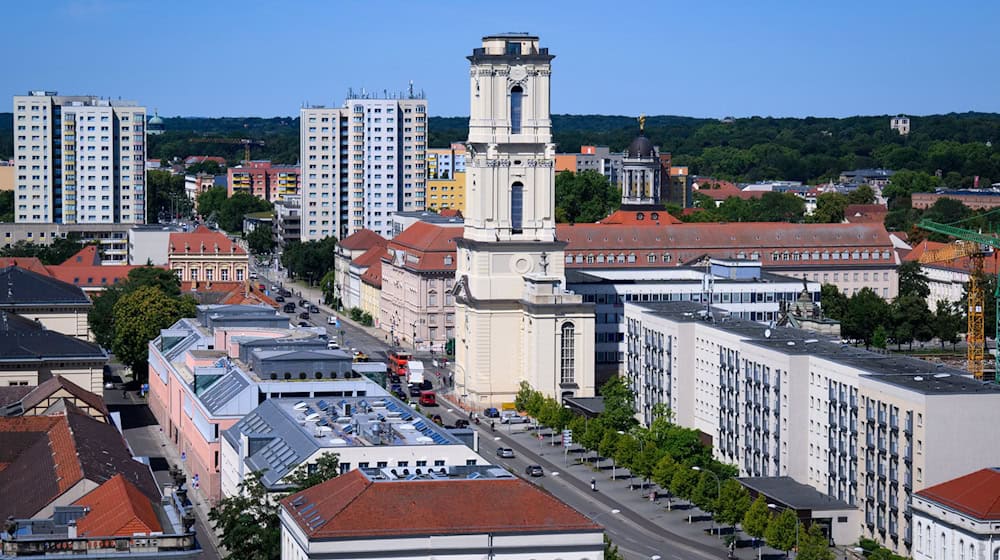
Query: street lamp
718	485
776	508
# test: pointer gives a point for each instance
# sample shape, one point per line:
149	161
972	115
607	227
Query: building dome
156	120
155	125
640	148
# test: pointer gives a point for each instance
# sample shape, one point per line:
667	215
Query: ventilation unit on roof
941	375
918	378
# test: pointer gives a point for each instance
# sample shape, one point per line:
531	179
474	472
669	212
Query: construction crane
975	246
246	142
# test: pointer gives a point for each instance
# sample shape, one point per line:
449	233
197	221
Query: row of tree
127	315
675	459
56	252
865	317
312	261
215	205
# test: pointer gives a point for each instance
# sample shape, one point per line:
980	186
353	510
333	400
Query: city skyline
713	60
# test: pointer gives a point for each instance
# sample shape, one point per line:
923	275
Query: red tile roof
117	509
88	256
346	506
450	213
27	263
860	213
990	264
976	494
91	276
373	276
369	257
203	241
362	240
684	242
431	244
631	217
228	293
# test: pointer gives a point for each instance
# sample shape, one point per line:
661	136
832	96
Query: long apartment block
360	163
863	427
79	159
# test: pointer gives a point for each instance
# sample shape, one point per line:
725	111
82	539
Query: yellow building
446	179
6	177
371	291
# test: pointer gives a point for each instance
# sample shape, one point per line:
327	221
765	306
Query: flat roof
677	275
910	373
795	495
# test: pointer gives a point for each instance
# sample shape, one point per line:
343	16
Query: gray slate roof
22	339
218	395
21	287
277	446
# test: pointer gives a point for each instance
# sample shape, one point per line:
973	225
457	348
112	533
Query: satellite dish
767	333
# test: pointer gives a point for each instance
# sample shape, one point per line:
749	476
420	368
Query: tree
327	466
165	196
211	201
947	323
619	411
880	338
830	208
7	206
663	472
248	522
524	392
611	550
733	503
705	494
592	435
905	182
756	519
138	318
236	207
813	545
911	320
832	301
912	280
865	311
56	252
861	195
101	316
780	533
259	240
328	283
626	451
207	166
310	260
584	197
608	445
684	481
945	211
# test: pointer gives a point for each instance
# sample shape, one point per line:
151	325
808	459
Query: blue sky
698	58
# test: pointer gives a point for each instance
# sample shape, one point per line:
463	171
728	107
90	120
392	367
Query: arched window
944	546
567	358
516	94
516	207
920	536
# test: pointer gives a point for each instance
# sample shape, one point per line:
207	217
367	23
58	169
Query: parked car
284	292
428	398
513	418
331	320
415	390
304	315
505	453
279	299
534	470
313	309
461	423
491	413
289	308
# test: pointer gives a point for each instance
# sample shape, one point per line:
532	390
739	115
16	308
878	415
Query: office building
282	436
80	159
206	255
462	513
361	163
264	180
515	320
867	428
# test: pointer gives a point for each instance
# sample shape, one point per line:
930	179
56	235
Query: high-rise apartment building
446	178
80	159
361	163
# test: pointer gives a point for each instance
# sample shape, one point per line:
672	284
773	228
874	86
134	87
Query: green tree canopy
260	241
584	197
7	206
948	322
619	410
865	311
248	522
861	195
912	280
830	207
780	533
684	482
212	201
911	320
832	301
733	503
138	318
813	545
165	196
56	252
236	207
310	260
101	316
756	519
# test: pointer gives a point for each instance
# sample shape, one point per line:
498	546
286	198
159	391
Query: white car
331	320
513	418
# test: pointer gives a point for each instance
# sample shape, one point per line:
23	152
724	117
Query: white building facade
865	428
958	519
80	159
515	321
361	163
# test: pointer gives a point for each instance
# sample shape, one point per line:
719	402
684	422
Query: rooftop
792	494
116	508
362	239
909	373
22	339
344	507
284	432
20	287
976	494
203	241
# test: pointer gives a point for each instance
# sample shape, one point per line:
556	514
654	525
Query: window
516	93
516	207
568	353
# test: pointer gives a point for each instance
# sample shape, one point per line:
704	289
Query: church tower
514	319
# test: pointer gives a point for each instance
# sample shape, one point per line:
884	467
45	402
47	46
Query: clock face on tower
518	73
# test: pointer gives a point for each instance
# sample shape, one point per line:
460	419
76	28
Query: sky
702	58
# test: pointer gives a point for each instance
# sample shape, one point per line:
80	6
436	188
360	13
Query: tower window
516	207
567	356
516	93
513	48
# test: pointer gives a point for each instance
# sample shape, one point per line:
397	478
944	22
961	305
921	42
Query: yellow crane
246	142
976	333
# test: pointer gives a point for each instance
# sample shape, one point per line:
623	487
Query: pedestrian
470	415
124	393
493	426
593	485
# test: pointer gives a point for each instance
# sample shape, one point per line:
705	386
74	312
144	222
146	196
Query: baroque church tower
514	319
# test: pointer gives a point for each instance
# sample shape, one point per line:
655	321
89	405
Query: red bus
397	362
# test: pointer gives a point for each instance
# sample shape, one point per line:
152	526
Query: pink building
264	180
418	272
207	373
